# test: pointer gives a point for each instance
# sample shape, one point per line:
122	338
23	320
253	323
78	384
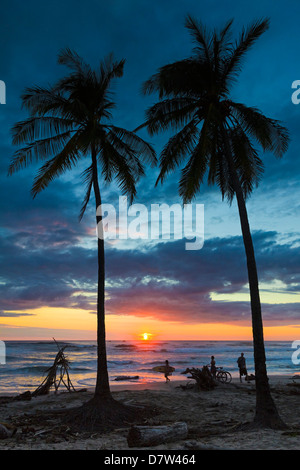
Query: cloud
15	314
219	267
165	281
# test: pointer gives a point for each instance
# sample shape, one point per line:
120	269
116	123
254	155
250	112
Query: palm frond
224	42
178	147
37	150
125	173
188	77
38	127
125	151
111	68
248	37
87	176
170	114
248	164
143	149
193	173
222	177
221	46
56	166
269	133
72	60
40	101
203	40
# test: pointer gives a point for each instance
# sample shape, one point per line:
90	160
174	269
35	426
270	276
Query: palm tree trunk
266	412
102	389
102	412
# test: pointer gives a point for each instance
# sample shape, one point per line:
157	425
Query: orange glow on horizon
79	324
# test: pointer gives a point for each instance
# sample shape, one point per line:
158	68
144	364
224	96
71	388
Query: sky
48	258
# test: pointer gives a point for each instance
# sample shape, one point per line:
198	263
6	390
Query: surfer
168	371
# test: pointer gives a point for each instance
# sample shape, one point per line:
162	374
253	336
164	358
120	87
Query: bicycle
222	376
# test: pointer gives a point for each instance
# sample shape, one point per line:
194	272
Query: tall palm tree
69	123
214	135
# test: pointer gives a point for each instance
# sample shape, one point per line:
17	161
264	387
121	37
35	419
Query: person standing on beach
167	371
242	367
213	368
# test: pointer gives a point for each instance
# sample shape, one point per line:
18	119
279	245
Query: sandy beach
212	417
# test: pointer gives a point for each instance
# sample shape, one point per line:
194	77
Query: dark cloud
15	314
165	281
176	285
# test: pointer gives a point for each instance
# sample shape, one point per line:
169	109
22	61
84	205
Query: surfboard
163	369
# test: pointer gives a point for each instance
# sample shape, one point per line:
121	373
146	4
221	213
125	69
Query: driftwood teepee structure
57	374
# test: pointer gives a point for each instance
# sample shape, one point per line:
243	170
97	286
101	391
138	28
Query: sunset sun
146	336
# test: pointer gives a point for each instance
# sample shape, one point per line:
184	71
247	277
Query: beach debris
57	374
204	379
7	430
196	445
3	432
25	396
147	436
250	377
294	384
127	377
295	377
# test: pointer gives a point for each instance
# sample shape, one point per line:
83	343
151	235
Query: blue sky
48	258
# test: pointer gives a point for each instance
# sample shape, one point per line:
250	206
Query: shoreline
273	379
162	385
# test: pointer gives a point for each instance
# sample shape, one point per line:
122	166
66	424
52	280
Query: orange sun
146	336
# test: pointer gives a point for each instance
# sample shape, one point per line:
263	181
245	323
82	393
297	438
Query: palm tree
214	135
69	123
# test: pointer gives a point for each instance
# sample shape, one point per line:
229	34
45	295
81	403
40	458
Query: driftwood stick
147	436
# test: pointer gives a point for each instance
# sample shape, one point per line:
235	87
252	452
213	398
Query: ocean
28	361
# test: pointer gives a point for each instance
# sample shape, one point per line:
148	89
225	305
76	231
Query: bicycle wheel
221	377
228	377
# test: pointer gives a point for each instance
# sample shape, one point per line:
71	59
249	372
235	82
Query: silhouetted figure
242	367
168	371
213	368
